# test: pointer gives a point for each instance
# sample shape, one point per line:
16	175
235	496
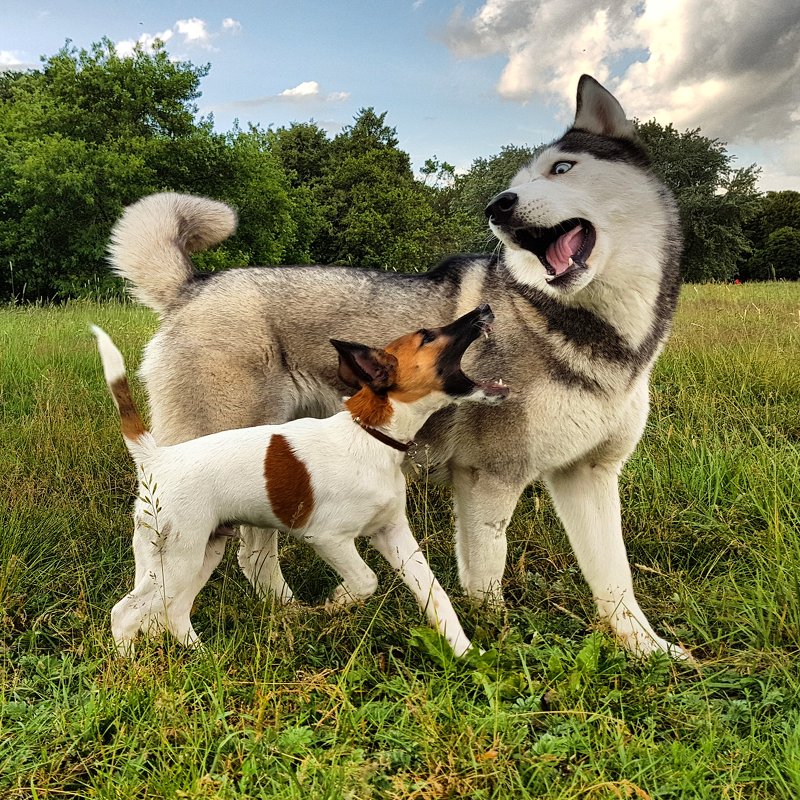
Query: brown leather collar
383	438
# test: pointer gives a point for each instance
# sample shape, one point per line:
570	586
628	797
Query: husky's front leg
586	497
483	505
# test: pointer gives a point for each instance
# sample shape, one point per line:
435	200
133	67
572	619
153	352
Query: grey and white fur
584	290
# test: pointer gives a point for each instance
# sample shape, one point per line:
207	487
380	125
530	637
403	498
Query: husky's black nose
501	207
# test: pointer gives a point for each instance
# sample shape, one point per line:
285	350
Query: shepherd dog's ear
360	365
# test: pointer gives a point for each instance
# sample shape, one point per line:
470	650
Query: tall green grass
295	703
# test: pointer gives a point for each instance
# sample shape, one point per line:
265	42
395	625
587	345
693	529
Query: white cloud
10	62
146	40
192	32
309	92
302	90
727	66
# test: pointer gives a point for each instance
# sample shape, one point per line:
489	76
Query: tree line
92	131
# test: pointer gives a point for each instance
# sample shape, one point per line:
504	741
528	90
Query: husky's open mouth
562	249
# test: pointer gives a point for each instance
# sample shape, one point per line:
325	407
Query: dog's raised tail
138	439
152	240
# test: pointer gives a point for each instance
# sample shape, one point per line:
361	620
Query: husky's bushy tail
138	439
151	243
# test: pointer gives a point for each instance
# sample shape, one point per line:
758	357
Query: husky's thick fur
584	292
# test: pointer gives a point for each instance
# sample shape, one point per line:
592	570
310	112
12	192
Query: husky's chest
545	428
562	426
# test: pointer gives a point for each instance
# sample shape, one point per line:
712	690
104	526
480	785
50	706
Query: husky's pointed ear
599	112
360	365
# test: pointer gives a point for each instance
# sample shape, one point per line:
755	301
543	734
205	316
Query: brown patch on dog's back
288	484
130	421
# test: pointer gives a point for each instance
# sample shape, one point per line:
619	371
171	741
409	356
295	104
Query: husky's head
585	203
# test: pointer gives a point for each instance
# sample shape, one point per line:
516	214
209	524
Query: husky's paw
281	597
124	647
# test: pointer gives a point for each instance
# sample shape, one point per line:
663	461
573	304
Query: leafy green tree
715	199
304	151
776	211
779	258
96	95
55	215
453	227
91	132
375	214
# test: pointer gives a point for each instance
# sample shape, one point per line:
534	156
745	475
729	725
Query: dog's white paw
463	646
283	597
491	598
642	644
339	598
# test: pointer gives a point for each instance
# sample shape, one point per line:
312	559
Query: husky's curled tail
138	439
163	229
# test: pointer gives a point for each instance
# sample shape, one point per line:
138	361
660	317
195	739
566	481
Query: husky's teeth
570	262
500	382
486	333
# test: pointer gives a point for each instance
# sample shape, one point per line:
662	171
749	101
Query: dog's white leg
358	581
398	546
172	565
483	506
142	608
258	558
586	497
180	607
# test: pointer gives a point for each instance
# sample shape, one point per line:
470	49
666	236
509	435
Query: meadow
293	702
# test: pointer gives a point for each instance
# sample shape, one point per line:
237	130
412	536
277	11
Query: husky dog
583	291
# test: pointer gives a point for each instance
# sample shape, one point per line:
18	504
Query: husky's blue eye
427	336
560	167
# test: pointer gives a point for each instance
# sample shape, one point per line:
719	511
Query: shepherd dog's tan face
417	372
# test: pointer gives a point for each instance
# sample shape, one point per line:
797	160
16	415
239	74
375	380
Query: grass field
295	703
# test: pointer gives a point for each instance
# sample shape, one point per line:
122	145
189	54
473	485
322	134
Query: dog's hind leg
172	565
398	546
180	607
258	558
586	496
185	403
483	506
142	609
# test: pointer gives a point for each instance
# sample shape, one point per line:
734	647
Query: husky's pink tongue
563	249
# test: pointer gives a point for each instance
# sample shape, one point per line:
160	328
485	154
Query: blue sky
460	80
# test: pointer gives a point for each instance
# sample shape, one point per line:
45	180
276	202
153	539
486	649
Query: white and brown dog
326	481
